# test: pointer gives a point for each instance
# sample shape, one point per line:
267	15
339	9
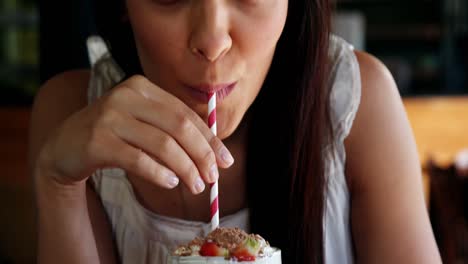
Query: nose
210	38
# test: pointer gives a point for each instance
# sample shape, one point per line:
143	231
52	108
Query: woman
325	164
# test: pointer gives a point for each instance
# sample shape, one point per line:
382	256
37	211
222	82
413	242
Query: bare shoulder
374	75
379	91
384	175
368	61
70	85
380	118
56	99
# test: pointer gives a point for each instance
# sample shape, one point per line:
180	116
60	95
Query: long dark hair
289	129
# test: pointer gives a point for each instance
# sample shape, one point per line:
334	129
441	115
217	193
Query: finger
189	137
223	155
162	146
137	162
164	104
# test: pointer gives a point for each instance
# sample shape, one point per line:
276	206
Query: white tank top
142	236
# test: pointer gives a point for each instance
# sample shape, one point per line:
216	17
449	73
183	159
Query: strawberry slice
211	249
248	250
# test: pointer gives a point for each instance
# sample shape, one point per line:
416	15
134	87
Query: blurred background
424	43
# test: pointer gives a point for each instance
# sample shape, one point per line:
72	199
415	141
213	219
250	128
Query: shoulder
62	94
344	58
373	71
381	133
384	175
56	99
63	90
379	93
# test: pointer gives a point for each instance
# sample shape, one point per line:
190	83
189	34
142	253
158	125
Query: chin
226	128
225	133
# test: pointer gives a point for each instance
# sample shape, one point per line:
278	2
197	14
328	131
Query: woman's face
191	47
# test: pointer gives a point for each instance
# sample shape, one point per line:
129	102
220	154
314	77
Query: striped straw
214	186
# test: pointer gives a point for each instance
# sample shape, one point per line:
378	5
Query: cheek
258	34
159	38
259	31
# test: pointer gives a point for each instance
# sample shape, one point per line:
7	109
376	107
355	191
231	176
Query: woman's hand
140	128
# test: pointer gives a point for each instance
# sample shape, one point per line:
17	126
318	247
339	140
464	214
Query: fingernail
199	185
172	180
226	156
214	174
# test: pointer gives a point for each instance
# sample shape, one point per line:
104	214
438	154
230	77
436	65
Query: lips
201	93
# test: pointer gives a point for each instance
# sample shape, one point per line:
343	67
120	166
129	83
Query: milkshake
226	245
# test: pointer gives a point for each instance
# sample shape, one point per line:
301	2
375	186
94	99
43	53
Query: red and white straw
214	186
